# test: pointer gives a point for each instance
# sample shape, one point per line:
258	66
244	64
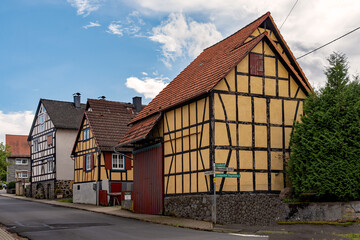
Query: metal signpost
219	167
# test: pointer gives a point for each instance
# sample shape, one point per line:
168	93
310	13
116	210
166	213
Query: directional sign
209	173
224	169
227	175
219	164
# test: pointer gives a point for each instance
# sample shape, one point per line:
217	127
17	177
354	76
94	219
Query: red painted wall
148	180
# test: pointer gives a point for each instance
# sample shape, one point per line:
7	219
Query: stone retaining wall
46	189
249	209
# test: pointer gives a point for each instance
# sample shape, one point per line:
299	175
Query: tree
4	153
325	145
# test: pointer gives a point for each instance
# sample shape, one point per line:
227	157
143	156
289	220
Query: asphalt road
42	221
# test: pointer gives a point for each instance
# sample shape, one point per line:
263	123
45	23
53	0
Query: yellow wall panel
178	118
256	85
260	136
275	111
276	137
289	111
300	112
221	86
287	137
246	181
293	87
178	163
243	83
277	161
230	184
218	109
255	33
202	183
231	79
206	157
277	181
244	105
301	94
179	187
205	136
221	155
260	110
232	127
261	181
230	106
261	160
169	184
167	164
261	29
186	143
169	121
186	162
245	135
268	51
248	39
168	148
221	134
193	182
283	88
185	115
257	48
246	159
243	66
193	143
178	143
270	67
186	183
282	72
192	113
270	86
200	106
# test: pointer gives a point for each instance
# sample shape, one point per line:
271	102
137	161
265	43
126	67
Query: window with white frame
42	118
88	162
118	162
86	134
50	165
36	145
21	161
21	173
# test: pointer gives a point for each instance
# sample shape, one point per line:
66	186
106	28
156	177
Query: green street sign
219	164
227	175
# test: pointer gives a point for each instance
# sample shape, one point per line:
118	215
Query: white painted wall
64	164
84	193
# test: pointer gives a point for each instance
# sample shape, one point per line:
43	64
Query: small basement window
256	64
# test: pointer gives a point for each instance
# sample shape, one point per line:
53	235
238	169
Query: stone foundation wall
46	189
249	209
66	187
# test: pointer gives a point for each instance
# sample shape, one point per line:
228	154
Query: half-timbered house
51	138
235	104
98	169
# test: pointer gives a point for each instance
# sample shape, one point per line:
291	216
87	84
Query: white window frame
42	118
118	162
88	162
36	145
86	134
50	165
20	161
21	173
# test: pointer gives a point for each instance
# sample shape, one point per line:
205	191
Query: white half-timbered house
51	138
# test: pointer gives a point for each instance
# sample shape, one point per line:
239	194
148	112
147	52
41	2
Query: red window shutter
128	162
49	140
92	161
108	161
256	64
84	162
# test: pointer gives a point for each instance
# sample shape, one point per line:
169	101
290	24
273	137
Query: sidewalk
116	211
4	235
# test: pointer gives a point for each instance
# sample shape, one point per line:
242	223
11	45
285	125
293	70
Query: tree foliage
325	157
4	153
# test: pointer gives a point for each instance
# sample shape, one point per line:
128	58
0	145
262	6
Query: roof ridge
267	13
92	99
51	100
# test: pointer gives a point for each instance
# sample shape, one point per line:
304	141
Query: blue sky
119	49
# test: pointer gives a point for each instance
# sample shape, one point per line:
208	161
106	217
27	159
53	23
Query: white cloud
115	28
310	25
15	123
85	7
144	73
92	24
183	37
147	86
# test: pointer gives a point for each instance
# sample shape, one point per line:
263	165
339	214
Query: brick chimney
137	104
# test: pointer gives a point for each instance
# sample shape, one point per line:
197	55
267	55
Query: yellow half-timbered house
235	104
97	168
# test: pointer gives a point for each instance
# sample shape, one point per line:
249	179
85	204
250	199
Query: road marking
249	235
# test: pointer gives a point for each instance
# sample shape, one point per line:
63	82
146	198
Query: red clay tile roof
206	71
18	144
109	121
140	130
213	64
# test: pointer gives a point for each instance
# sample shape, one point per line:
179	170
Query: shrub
11	185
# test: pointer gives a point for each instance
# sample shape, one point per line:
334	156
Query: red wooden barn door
148	180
